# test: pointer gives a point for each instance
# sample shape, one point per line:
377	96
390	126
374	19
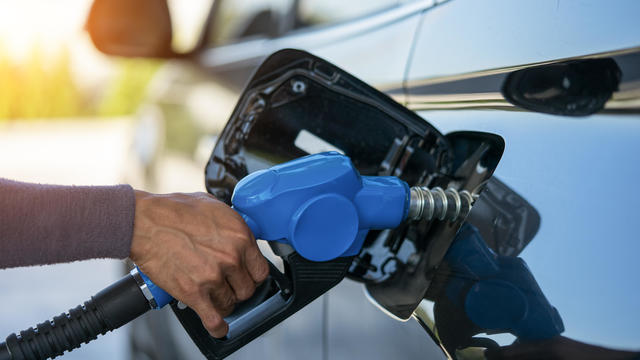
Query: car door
576	165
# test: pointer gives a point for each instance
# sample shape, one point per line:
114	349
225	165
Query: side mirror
138	28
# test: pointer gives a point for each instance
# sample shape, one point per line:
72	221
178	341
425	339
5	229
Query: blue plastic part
502	293
161	297
320	205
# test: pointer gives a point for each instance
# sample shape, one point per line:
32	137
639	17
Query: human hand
199	250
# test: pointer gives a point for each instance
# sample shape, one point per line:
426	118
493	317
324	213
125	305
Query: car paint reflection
584	256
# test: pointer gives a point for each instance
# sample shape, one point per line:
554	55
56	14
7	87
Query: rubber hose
109	309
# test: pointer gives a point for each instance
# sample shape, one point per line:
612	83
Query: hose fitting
436	203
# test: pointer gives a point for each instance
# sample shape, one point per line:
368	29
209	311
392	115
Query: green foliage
39	87
6	98
42	86
127	89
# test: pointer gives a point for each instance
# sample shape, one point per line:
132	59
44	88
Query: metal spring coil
436	203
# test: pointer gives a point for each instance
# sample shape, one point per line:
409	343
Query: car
558	81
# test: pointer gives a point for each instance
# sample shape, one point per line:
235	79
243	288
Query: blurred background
70	115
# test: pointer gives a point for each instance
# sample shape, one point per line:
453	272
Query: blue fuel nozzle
320	205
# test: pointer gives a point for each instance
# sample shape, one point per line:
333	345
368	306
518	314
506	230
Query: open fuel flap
297	104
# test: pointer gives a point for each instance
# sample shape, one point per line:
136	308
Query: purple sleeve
47	224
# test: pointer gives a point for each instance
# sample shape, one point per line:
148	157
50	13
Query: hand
199	250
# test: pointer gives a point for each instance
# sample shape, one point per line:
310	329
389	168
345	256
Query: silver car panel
464	36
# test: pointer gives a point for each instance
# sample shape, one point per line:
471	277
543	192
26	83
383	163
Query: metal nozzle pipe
436	203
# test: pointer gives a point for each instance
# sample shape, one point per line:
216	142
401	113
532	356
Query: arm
193	246
48	224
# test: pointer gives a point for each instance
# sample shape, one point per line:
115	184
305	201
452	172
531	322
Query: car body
449	61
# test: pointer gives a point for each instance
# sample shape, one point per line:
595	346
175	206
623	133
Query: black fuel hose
109	309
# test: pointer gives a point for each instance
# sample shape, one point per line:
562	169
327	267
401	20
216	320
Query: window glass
321	12
243	19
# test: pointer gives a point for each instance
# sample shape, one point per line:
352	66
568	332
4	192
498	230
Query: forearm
46	224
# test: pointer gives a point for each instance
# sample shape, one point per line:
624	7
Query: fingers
256	264
241	283
212	304
239	286
245	244
205	289
216	289
211	319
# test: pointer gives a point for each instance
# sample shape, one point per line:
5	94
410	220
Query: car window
324	12
236	20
